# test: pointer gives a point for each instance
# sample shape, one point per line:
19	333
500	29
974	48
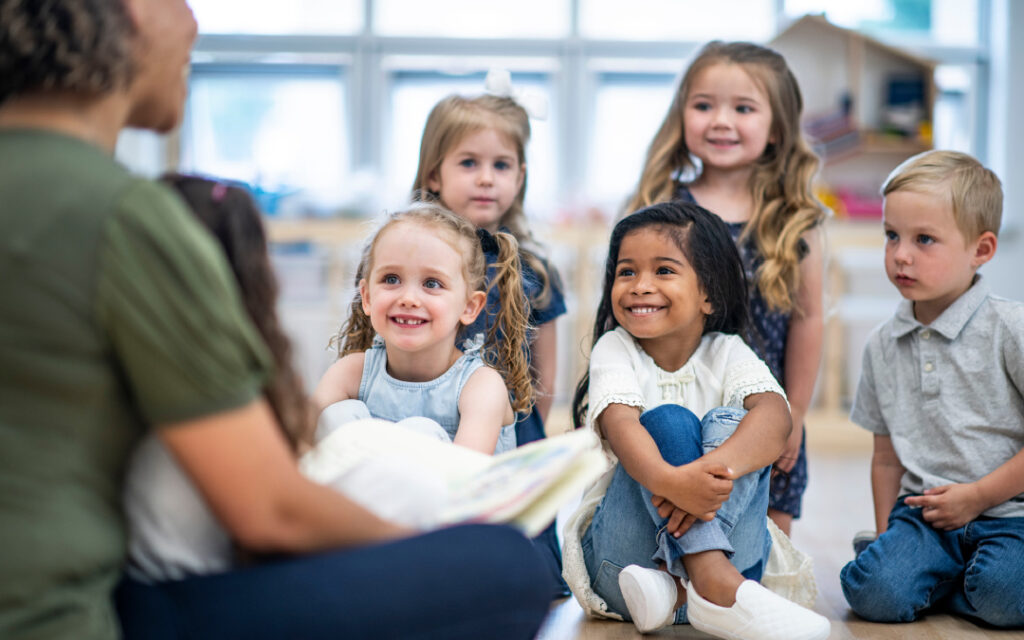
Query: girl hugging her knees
677	531
732	143
421	282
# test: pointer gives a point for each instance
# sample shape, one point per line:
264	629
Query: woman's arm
339	382
544	366
886	472
804	344
483	409
242	466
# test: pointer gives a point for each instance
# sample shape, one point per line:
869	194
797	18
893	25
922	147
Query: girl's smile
416	295
727	118
657	298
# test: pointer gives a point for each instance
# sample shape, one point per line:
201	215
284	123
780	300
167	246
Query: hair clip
218	192
499	83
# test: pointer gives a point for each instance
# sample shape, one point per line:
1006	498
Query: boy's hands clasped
950	506
694	491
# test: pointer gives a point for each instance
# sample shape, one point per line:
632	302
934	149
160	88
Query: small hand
787	459
679	522
699	488
950	506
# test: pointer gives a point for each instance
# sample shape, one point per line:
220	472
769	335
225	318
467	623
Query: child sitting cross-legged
941	389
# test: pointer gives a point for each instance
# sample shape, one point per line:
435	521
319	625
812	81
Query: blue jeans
473	581
976	571
628	530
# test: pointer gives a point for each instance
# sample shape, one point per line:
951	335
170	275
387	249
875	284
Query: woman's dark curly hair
82	46
231	215
705	241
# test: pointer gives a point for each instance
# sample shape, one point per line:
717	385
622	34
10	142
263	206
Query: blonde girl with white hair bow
473	161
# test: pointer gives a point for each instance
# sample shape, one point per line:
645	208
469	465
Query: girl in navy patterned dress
731	142
473	161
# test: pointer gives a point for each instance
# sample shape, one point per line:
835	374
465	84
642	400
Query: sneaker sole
633	595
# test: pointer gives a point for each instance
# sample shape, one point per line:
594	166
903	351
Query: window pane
281	132
954	113
331	17
695	20
944	22
629	109
414	94
472	18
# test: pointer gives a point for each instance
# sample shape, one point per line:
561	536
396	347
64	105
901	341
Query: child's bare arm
483	409
952	506
886	471
339	382
698	488
804	344
544	366
759	437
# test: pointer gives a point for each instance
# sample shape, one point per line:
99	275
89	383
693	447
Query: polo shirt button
926	334
928	366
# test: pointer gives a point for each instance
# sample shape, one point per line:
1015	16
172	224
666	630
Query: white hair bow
499	83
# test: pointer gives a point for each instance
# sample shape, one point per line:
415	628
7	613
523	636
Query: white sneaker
758	614
650	597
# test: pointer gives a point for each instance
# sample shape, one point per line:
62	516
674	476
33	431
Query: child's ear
706	307
364	296
433	184
522	177
474	305
984	248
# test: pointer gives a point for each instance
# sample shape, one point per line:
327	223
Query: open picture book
403	474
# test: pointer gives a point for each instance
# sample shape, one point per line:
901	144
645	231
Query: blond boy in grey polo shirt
941	389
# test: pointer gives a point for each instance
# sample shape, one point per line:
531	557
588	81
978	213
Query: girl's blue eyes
500	165
429	283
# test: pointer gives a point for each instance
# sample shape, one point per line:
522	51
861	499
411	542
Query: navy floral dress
767	335
529	427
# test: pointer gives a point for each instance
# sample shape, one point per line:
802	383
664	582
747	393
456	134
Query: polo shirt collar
951	321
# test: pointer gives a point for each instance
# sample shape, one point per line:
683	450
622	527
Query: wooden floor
837	504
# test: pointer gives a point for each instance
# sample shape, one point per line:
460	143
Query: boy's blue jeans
976	571
628	530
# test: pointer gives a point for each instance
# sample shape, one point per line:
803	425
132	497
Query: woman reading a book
119	315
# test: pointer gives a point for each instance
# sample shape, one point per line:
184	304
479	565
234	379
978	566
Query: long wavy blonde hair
449	122
784	204
507	355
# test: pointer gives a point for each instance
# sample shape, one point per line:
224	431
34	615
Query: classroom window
677	20
946	22
472	19
281	130
414	93
628	109
305	17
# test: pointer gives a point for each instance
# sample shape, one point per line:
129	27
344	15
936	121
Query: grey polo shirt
949	394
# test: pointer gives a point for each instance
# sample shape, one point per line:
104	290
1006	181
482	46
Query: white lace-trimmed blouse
722	371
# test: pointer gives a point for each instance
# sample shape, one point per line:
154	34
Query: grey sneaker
861	540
